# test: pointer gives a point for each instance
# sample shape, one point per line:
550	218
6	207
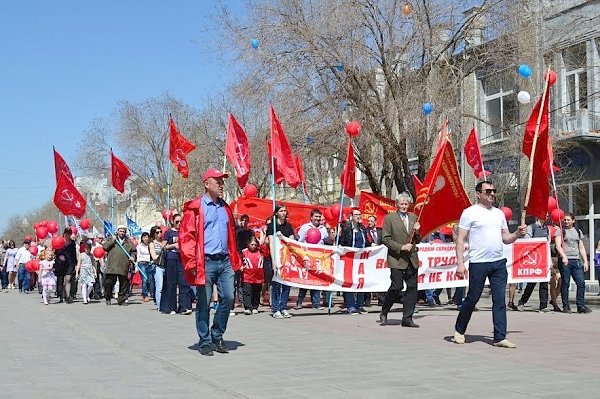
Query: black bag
161	261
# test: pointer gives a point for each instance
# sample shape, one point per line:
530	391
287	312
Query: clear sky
65	63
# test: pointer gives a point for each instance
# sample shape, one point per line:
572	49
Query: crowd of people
209	258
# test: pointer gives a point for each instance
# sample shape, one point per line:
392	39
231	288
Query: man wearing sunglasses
487	231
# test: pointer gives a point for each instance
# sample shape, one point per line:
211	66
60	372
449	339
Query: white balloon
523	97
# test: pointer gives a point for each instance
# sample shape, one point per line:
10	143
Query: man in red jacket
208	249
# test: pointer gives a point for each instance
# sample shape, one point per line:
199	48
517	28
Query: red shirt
253	267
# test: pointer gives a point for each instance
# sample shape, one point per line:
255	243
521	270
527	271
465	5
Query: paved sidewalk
96	351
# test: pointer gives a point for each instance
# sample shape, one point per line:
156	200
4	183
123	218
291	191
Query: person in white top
487	230
146	267
23	256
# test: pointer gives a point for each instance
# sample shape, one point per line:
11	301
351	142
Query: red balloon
43	223
41	232
551	77
99	252
167	214
507	212
313	235
28	238
74	230
52	227
33	249
85	224
35	226
557	215
32	266
335	210
552	204
327	214
58	242
250	190
353	129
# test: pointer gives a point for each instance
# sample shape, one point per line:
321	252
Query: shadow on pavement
231	345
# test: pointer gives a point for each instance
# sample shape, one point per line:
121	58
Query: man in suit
373	232
400	234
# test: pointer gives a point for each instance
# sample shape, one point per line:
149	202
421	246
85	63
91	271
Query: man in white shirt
23	256
315	222
486	228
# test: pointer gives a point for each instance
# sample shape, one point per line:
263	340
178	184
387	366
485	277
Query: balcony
581	125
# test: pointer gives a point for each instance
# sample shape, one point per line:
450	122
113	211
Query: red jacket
191	242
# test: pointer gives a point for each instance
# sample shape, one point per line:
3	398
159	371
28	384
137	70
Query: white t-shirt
485	232
143	253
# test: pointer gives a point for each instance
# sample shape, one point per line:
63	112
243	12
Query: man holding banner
487	230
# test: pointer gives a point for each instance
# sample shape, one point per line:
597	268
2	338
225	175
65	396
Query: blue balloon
427	108
254	43
339	67
524	70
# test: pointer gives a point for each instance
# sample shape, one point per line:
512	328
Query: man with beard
118	255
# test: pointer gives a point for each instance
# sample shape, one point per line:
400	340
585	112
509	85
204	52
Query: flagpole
535	138
480	155
275	254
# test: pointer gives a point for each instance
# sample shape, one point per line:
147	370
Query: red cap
214	173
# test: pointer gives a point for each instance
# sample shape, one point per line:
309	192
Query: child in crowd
86	272
252	276
47	277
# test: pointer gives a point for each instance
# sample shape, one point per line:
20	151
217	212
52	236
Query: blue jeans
217	272
5	278
158	285
148	269
497	274
315	297
280	294
176	288
459	294
23	278
574	269
354	300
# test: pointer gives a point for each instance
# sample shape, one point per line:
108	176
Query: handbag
162	260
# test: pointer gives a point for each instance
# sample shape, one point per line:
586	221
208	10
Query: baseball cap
214	173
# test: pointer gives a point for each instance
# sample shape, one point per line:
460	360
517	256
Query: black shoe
584	309
220	346
437	301
206	351
70	300
409	323
567	309
556	309
383	319
512	306
123	304
108	302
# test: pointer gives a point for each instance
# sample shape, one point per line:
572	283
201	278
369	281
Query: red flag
60	167
119	173
300	167
442	198
540	188
417	183
285	164
551	156
375	205
443	134
237	150
278	176
473	155
348	177
179	147
67	198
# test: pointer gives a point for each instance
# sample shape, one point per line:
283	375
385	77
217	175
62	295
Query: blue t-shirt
172	236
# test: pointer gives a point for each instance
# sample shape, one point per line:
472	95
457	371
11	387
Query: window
576	78
581	205
500	109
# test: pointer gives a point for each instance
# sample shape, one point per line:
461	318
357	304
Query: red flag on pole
300	167
60	167
551	156
473	155
417	183
442	198
179	147
444	133
278	176
119	173
237	150
67	198
349	173
540	187
285	164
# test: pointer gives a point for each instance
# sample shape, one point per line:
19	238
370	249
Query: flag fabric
109	229
277	174
300	167
473	155
134	229
179	148
375	205
237	150
67	198
119	173
442	198
443	134
60	167
540	187
285	164
418	184
348	177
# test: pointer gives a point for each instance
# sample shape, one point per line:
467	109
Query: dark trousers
497	274
238	290
529	290
73	292
109	284
395	295
574	269
5	278
251	295
174	280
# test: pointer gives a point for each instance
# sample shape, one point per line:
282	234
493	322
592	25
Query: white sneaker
173	312
277	315
247	312
458	338
254	311
286	314
231	313
505	344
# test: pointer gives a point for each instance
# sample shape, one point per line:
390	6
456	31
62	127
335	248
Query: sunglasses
158	232
177	221
488	191
356	214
